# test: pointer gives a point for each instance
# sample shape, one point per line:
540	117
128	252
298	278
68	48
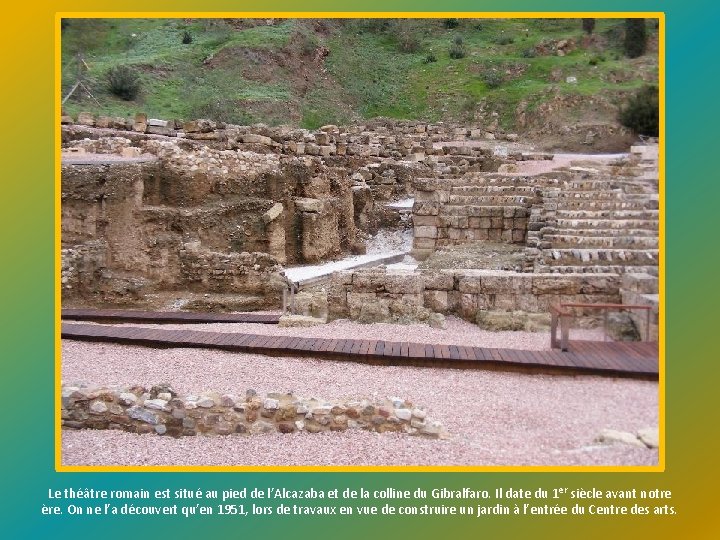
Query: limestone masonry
153	207
162	411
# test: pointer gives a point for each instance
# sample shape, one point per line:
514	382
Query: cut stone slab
650	436
299	321
304	204
612	436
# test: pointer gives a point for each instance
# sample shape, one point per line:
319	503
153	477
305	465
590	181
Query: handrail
563	316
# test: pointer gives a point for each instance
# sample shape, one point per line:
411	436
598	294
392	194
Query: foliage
430	58
220	110
186	38
635	37
642	112
123	82
451	23
588	25
492	78
457	49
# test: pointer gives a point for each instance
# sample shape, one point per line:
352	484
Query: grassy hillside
313	72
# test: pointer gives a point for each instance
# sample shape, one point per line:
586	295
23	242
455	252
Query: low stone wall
162	411
641	289
391	139
465	292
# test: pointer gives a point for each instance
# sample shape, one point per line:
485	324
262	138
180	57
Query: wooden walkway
166	317
636	360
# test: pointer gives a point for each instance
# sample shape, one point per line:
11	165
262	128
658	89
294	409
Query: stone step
628	186
600	269
564	204
616	195
604	226
474	180
600	256
610	242
643	214
490	200
529	191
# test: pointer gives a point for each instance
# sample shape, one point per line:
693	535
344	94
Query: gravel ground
493	418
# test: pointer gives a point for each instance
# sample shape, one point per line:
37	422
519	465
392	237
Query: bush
595	60
430	58
451	23
492	79
457	49
123	82
642	112
408	42
529	53
186	38
588	25
635	38
505	40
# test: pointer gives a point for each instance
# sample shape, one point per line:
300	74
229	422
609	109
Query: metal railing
559	314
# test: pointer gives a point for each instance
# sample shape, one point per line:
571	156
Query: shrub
641	114
187	38
408	42
529	53
635	38
457	49
505	40
595	60
451	23
430	58
588	25
123	82
492	78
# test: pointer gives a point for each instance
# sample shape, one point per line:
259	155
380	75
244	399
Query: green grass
366	73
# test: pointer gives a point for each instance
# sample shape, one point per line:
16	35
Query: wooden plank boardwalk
635	360
164	317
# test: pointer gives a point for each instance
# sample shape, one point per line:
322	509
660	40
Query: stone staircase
595	223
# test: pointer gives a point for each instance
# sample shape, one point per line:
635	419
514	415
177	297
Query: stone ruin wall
160	410
198	200
462	292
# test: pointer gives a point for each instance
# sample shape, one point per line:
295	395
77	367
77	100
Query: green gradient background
26	317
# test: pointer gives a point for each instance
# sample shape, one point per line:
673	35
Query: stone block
425	221
555	284
425	231
469	283
131	152
443	280
405	283
103	122
303	204
436	300
273	213
86	119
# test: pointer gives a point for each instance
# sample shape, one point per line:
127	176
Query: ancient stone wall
641	289
409	140
464	292
162	411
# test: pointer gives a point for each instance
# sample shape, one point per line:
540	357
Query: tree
635	37
588	25
642	112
